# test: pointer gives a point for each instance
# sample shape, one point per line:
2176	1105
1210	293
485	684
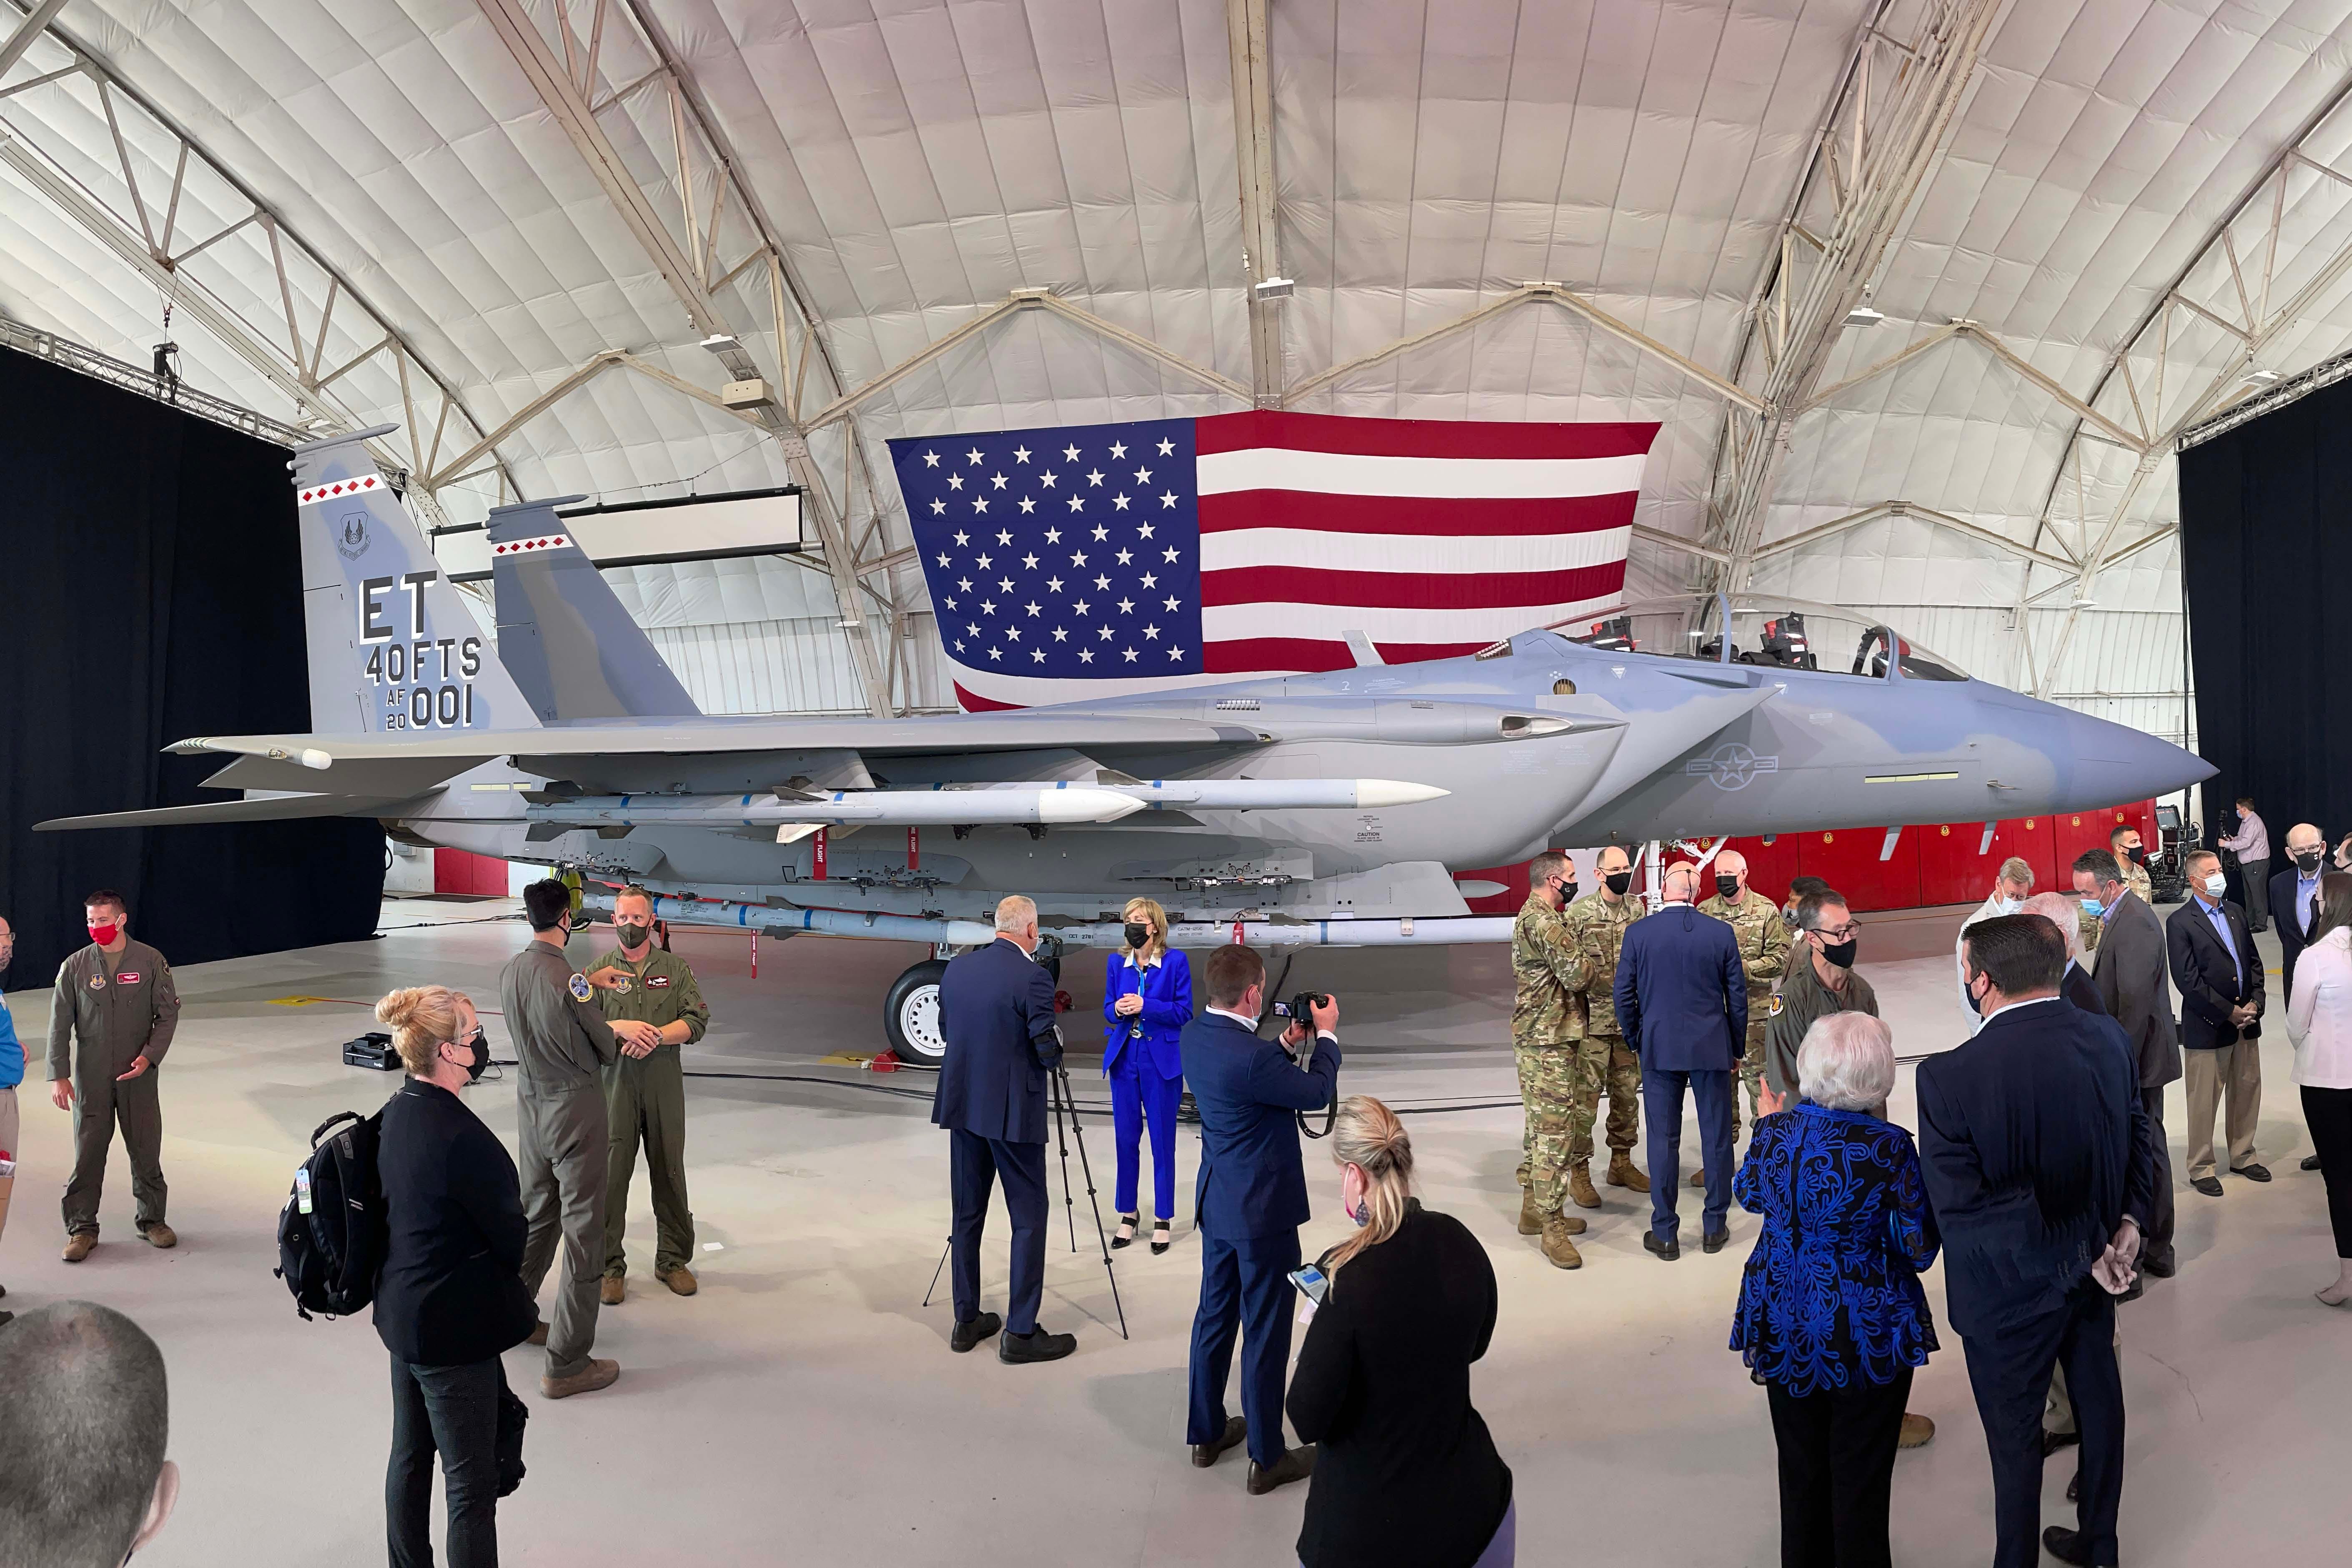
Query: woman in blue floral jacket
1147	1002
1831	1317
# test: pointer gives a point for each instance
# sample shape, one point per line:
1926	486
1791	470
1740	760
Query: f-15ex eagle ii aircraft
1330	808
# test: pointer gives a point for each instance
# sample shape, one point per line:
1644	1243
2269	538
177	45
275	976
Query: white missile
1277	795
1029	803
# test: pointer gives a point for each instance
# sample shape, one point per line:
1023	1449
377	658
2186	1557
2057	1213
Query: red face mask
104	935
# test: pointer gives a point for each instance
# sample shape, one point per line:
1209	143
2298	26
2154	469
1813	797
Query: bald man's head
1682	884
82	1431
2303	840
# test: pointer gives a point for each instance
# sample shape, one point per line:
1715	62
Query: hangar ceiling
509	226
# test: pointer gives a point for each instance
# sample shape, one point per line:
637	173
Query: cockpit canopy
1771	631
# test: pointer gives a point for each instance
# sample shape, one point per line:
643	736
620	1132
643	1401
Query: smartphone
1312	1283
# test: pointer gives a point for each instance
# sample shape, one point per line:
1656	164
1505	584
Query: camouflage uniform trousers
1548	1089
1605	1060
1751	1073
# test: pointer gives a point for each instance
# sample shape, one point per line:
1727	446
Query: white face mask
2008	906
2215	883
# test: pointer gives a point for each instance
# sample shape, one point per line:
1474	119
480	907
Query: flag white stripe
1420	554
1330	622
1035	691
1436	479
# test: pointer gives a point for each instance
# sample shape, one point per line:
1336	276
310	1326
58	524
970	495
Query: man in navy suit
2295	898
2040	1167
1682	1000
1252	1200
996	1010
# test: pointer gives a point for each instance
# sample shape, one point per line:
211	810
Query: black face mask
1840	954
1618	882
1568	892
632	935
2307	862
1974	1006
1138	933
2138	853
1729	887
481	1059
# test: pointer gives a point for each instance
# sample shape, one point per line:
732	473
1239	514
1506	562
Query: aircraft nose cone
2112	763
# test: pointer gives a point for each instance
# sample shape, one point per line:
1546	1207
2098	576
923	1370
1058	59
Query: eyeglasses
1837	933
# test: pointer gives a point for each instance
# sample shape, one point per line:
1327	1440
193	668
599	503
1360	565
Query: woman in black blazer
1407	1474
450	1299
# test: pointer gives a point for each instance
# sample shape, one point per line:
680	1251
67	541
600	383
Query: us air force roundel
580	987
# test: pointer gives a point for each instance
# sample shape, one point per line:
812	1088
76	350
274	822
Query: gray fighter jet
1329	809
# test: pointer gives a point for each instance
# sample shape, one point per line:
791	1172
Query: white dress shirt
2319	1013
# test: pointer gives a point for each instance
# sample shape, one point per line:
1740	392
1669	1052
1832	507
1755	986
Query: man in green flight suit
1599	924
644	1092
1763	938
1549	975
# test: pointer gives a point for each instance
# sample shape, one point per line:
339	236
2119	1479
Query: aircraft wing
260	808
399	765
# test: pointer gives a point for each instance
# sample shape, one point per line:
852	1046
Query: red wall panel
1847	859
456	871
1950	870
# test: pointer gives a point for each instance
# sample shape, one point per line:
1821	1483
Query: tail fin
564	637
392	648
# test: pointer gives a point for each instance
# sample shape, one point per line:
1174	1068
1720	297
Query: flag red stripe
1246	655
1415	514
1409	590
972	702
1417	437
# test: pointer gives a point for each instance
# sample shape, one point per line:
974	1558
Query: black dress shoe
1016	1349
1125	1234
1206	1454
2209	1185
1296	1465
2252	1173
2161	1268
2311	1161
1669	1250
1160	1240
2053	1441
2066	1545
2075	1491
1715	1241
966	1335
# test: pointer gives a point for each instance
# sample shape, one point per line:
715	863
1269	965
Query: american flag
1087	561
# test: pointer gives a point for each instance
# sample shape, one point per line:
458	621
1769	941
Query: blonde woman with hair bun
1406	1473
1147	1002
450	1299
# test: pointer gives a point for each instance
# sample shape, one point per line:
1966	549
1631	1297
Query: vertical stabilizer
391	648
565	636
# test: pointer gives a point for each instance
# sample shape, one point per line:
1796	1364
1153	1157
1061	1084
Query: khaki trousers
2234	1072
7	1151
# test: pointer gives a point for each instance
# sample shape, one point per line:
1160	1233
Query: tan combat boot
680	1279
613	1292
1580	1186
1557	1249
1530	1217
1621	1173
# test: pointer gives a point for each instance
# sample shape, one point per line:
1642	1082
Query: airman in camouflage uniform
1547	1022
1602	1057
1763	956
2123	841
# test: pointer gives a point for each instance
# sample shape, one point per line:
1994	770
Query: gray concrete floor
804	1409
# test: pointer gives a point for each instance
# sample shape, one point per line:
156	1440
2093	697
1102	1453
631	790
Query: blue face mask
2093	908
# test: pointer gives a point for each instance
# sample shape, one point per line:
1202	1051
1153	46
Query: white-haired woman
1147	1002
1831	1315
1406	1474
450	1299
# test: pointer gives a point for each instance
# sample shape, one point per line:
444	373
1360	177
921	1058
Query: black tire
911	1014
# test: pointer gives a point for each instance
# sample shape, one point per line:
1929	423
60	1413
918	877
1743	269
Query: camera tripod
1058	1089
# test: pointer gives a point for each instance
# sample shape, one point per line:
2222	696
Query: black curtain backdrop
2265	539
151	589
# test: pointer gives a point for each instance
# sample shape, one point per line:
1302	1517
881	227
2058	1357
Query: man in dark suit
1252	1199
1682	999
2077	984
2039	1165
2221	979
2131	980
996	1011
2294	899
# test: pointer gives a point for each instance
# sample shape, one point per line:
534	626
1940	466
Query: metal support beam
1928	514
17	42
1677	541
1245	35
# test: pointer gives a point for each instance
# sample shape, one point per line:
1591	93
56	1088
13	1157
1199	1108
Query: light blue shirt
2220	920
2306	894
12	1054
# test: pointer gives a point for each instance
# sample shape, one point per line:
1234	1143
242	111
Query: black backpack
331	1232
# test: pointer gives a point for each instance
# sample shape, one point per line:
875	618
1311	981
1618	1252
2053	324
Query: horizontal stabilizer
255	808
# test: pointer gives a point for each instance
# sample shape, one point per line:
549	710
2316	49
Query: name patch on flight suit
128	977
655	982
580	987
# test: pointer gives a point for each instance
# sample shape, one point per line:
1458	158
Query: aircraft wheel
911	1015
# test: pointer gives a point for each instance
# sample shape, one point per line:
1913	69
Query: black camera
1299	1011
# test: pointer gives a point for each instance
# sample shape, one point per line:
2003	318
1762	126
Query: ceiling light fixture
1863	316
2258	376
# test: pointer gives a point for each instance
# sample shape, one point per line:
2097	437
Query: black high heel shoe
1159	1239
1125	1236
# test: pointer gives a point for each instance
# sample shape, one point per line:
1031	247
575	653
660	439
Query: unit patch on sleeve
580	987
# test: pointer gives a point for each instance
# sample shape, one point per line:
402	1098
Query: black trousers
2011	1374
974	1162
2328	1113
2158	1246
1837	1467
452	1411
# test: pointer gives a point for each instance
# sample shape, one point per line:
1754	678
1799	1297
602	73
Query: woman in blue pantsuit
1146	999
